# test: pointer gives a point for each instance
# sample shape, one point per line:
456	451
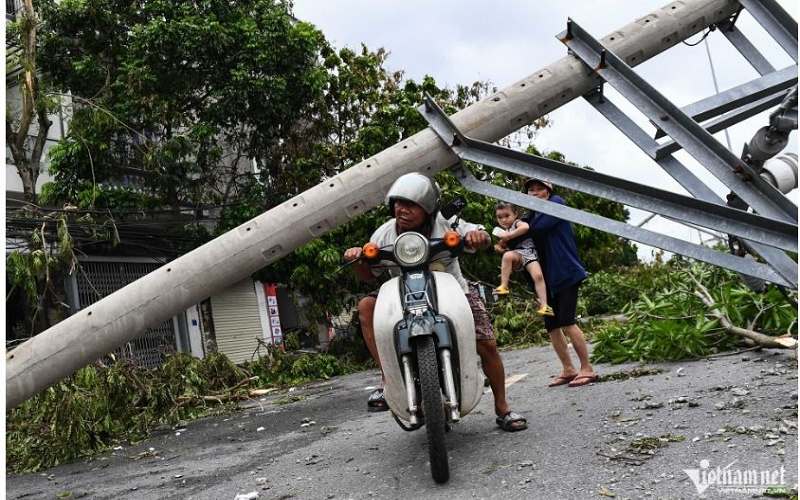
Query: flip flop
562	380
581	380
377	401
507	421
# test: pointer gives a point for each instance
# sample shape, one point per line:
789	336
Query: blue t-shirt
558	251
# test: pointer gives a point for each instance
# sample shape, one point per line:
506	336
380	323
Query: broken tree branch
757	337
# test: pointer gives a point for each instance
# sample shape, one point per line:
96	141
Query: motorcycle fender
389	312
453	304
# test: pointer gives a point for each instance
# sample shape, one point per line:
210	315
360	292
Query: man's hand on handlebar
479	240
352	254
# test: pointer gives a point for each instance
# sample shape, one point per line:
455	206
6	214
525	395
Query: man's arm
475	236
360	268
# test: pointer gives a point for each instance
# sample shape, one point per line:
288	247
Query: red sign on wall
273	313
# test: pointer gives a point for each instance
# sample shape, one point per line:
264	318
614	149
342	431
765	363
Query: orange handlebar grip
452	238
371	250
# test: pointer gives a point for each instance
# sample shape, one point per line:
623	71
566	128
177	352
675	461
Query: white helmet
415	188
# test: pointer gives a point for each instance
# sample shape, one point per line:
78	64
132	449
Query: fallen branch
246	381
205	399
255	393
782	342
230	394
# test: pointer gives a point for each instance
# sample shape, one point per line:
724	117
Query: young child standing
518	253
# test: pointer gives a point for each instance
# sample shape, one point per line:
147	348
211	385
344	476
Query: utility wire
716	87
705	35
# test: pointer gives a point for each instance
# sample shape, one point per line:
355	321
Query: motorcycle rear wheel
432	408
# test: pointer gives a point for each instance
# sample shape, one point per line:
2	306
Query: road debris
246	496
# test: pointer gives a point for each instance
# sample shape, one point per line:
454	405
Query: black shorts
564	304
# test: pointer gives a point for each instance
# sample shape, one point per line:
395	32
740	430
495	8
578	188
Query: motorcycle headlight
410	249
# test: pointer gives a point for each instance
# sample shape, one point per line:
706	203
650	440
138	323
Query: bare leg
509	262
559	343
495	372
366	311
579	344
535	270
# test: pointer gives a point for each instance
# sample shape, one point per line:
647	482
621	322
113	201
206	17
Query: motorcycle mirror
455	207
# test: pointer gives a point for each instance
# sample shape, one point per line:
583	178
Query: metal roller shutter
237	323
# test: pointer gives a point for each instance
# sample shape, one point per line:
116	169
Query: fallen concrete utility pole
122	316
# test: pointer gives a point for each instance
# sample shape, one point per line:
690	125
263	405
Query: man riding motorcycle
414	201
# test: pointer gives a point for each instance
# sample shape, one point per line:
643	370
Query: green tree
159	108
370	109
27	120
31	267
693	310
178	122
190	126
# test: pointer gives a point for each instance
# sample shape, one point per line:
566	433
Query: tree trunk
27	157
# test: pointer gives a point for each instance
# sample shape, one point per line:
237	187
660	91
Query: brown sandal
562	380
582	380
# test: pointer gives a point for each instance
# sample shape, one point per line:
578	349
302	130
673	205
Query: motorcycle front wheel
432	408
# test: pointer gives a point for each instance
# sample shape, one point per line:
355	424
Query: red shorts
483	325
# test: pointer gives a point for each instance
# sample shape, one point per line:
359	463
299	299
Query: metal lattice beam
712	155
776	21
675	206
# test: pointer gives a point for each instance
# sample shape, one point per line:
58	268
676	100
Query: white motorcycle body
453	304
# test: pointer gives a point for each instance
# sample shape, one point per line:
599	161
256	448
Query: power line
716	87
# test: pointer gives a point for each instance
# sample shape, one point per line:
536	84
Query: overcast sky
504	41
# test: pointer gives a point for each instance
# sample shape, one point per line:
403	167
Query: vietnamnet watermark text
735	480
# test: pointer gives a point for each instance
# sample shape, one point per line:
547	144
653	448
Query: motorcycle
425	336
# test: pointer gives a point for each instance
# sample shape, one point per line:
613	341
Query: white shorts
527	255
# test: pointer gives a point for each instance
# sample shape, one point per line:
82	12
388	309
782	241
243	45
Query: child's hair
504	204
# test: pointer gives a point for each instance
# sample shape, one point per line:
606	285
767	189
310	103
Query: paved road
620	438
